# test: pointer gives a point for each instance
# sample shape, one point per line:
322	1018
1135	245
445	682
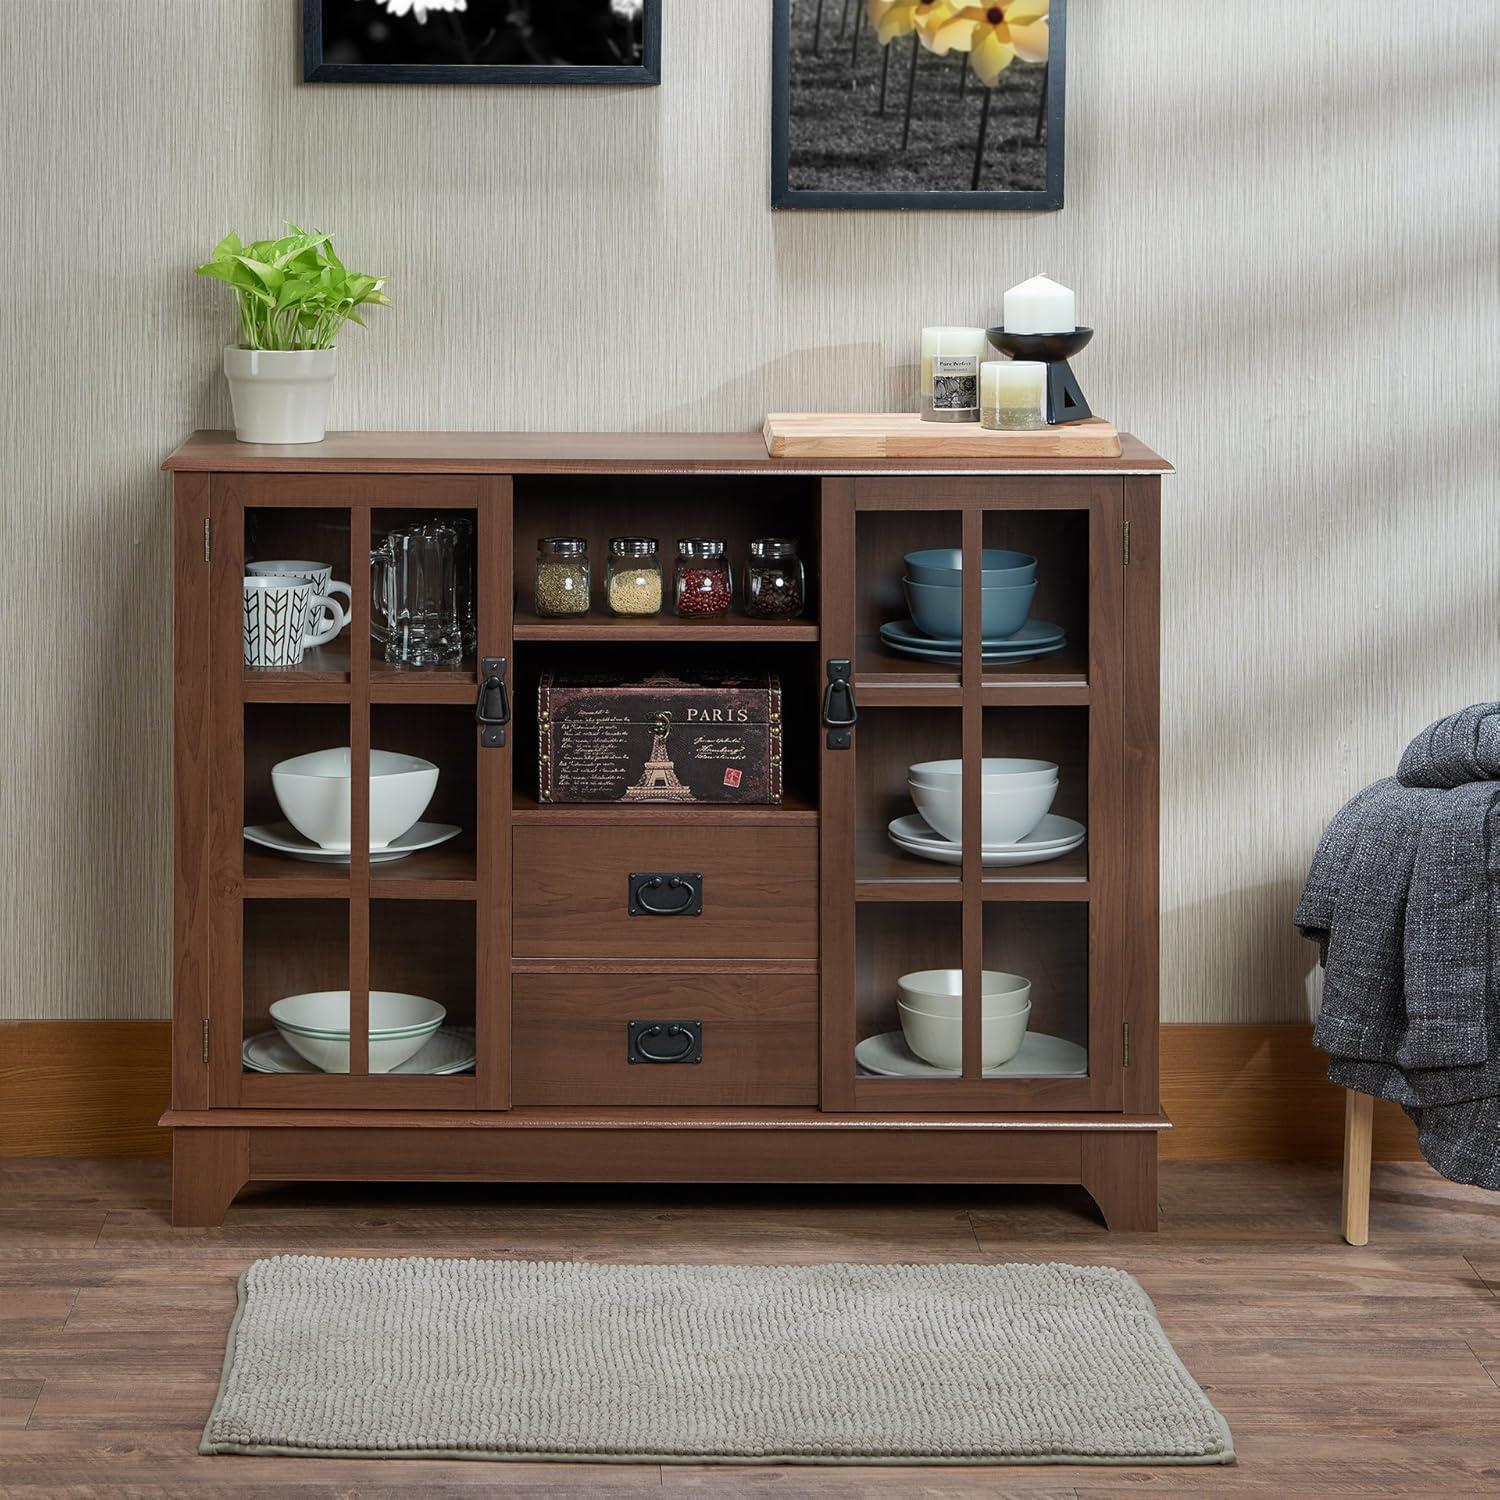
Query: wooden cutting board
905	435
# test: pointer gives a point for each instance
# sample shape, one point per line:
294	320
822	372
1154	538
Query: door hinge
1125	1043
1126	543
206	545
205	1039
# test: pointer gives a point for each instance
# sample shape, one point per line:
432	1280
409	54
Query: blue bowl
939	610
1000	569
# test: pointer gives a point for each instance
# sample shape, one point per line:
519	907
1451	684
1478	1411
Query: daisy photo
481	41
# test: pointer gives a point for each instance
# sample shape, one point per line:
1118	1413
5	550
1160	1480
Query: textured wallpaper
1281	219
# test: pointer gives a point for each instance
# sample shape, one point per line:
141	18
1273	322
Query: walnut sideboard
521	926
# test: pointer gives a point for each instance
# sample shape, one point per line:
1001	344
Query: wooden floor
1342	1372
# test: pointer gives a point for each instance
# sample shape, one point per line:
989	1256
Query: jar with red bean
702	584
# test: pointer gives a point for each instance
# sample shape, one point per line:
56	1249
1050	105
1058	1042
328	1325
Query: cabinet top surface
593	453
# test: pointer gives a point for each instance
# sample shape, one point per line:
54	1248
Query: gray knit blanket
1403	898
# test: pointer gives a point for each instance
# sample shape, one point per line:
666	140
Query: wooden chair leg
1359	1116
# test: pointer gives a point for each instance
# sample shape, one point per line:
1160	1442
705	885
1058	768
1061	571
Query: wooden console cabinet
520	926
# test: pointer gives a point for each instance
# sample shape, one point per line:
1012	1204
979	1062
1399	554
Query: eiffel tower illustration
659	781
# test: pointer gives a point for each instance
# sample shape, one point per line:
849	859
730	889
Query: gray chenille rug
828	1364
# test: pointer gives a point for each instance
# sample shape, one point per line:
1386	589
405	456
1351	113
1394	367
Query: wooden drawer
570	1040
760	891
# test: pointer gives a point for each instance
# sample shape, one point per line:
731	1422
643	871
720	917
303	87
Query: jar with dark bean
703	588
775	585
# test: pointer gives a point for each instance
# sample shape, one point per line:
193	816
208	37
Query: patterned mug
320	575
276	611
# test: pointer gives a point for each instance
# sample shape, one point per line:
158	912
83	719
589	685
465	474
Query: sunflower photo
917	104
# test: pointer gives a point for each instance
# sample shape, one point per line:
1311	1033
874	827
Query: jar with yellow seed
633	578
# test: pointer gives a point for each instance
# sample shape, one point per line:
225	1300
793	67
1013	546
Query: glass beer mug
414	604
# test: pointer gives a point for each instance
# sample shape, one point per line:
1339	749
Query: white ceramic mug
320	575
276	611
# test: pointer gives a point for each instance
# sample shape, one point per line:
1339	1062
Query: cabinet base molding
215	1157
1232	1092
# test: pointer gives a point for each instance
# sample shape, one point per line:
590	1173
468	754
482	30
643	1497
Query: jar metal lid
632	546
773	546
700	546
562	546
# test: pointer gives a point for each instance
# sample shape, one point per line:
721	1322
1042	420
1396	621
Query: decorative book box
670	737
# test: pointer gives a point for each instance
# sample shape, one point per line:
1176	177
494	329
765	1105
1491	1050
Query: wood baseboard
1233	1093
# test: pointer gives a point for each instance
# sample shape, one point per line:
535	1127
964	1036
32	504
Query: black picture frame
783	195
316	70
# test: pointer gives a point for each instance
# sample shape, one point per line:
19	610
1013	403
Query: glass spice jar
562	576
633	577
703	588
775	584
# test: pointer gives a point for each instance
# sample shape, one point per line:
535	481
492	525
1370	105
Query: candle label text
955	382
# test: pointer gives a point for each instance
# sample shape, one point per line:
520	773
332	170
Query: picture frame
793	186
322	43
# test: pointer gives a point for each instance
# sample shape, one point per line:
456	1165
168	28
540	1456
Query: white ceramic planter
280	395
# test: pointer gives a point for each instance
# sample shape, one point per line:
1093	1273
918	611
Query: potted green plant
293	295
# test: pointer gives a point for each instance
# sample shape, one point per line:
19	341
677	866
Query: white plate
1041	1056
285	839
998	860
1051	833
450	1051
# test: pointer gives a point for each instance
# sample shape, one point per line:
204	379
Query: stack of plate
1053	837
449	1050
1034	638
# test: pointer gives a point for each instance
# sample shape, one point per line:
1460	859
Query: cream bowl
1007	814
313	791
940	991
316	1026
997	770
940	1039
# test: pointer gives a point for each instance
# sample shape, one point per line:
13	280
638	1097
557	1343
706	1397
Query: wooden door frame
361	496
1101	497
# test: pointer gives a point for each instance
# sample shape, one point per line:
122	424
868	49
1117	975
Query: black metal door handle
492	705
840	711
665	895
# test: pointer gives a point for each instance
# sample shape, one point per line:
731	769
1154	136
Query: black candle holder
1065	401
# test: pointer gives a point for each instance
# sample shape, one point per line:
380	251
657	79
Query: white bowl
990	783
994	768
1007	814
940	991
940	1039
313	791
316	1026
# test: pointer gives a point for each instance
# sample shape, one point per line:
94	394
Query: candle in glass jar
1040	306
950	373
1013	394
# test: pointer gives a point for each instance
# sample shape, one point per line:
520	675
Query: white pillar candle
950	373
1013	394
1040	306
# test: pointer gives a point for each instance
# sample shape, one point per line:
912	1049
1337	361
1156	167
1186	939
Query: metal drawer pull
666	1041
665	894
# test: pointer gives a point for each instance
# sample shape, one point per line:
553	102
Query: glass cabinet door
972	825
361	841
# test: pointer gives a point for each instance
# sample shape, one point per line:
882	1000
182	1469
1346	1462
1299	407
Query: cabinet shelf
324	677
664	627
883	678
446	873
792	810
883	873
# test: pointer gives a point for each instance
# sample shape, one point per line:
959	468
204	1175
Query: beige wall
1280	219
